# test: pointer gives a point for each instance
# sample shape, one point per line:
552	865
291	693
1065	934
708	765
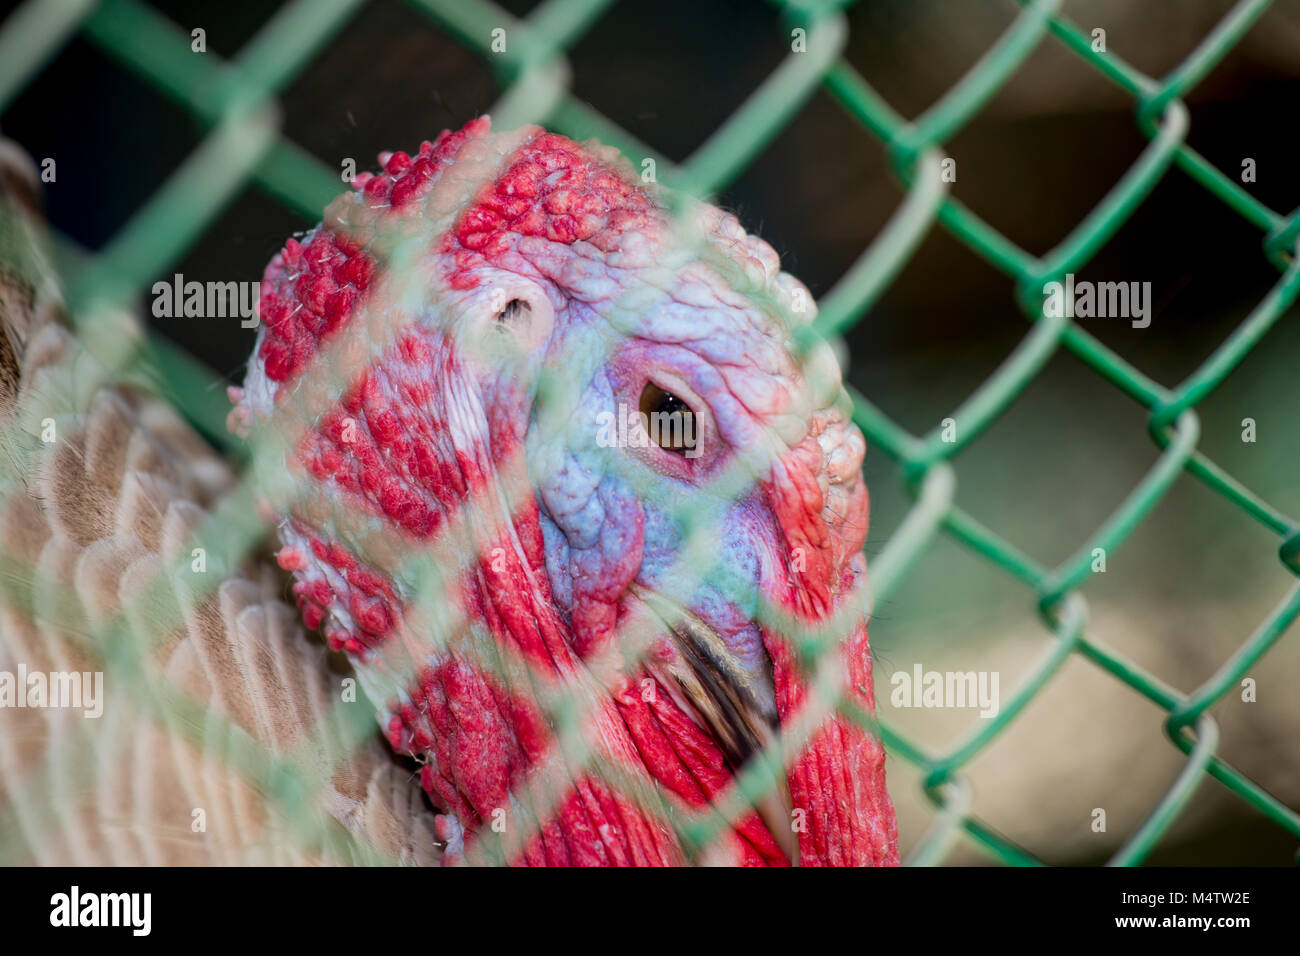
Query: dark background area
1194	580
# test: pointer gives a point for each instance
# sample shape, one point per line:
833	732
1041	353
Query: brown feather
88	521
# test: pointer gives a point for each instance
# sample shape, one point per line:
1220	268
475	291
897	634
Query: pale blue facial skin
607	519
607	512
706	318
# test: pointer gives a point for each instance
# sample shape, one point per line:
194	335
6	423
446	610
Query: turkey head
549	465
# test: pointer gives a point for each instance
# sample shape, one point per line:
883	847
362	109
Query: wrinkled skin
486	307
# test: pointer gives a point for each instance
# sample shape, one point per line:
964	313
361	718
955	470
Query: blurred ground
1195	579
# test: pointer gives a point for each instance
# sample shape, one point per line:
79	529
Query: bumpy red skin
388	452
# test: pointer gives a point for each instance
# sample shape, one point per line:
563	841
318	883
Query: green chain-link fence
235	101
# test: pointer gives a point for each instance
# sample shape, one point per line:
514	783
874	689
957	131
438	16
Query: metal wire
235	100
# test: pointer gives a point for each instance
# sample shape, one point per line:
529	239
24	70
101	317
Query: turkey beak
725	699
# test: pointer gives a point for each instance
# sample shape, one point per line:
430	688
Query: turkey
552	465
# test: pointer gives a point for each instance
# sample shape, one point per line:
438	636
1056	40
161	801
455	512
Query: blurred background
1189	586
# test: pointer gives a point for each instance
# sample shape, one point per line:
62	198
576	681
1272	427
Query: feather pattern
90	520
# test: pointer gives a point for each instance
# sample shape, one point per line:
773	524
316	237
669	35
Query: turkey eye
668	421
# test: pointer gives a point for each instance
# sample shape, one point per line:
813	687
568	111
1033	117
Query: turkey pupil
673	434
671	404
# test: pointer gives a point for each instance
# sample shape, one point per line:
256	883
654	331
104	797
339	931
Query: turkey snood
569	406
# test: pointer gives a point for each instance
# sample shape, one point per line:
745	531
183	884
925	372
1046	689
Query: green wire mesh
235	101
